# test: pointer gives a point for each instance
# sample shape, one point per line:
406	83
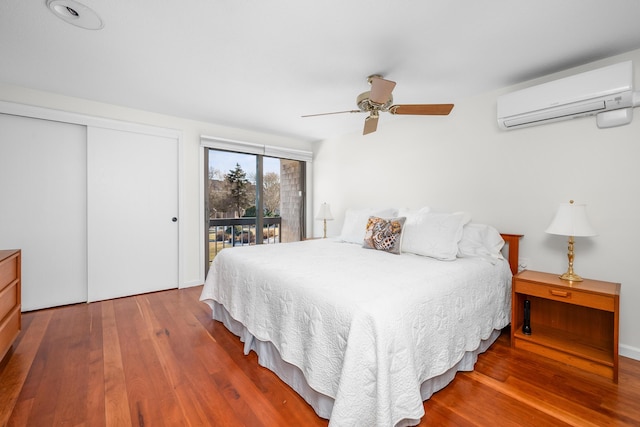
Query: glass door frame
259	199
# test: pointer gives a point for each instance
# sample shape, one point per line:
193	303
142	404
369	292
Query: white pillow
480	240
355	222
466	215
435	235
407	212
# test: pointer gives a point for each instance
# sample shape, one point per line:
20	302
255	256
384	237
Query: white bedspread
365	327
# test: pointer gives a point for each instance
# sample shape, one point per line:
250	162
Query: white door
43	207
132	205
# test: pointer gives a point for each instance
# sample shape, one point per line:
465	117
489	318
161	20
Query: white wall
191	239
513	180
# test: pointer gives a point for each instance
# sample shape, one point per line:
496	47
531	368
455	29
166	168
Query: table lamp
571	220
324	214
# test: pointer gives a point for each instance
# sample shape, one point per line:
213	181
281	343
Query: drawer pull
557	293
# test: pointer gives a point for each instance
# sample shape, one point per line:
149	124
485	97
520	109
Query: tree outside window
238	190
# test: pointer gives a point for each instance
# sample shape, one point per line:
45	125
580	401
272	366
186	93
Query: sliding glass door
252	199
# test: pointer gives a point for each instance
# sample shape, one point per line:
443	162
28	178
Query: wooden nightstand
572	322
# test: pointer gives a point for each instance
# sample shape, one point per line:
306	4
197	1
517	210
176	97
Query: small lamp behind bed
324	214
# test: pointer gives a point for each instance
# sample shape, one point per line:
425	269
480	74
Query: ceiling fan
379	99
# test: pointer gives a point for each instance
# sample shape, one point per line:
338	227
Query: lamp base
571	277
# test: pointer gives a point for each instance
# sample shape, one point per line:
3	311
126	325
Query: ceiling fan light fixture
75	13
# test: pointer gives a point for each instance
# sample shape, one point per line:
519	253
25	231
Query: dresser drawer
8	271
9	329
8	299
565	294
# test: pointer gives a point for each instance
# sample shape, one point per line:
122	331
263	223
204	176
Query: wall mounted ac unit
595	92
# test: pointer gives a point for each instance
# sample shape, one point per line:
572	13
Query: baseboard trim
628	351
190	284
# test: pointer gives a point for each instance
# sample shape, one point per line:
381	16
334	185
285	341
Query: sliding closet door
43	207
133	213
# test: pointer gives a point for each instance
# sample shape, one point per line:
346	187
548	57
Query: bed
366	327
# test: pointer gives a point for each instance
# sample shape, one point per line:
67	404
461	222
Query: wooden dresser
10	320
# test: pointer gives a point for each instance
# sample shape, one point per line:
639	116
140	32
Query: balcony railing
228	232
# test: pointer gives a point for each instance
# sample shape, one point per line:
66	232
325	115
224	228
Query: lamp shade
571	220
324	212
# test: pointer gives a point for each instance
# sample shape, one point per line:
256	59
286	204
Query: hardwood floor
158	359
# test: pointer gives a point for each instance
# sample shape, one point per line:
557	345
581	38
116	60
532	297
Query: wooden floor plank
116	401
18	364
174	345
49	372
183	331
20	414
147	383
247	367
527	395
75	339
158	359
96	400
485	403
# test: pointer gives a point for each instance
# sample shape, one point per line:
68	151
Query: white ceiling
260	65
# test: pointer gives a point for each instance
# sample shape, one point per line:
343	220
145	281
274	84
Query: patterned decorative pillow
384	234
355	221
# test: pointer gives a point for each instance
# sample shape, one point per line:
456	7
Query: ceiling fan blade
370	124
335	112
380	89
422	109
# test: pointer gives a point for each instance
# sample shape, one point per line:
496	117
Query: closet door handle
174	219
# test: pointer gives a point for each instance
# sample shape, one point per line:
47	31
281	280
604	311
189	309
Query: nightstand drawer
566	294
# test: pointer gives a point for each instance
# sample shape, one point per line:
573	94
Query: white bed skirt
269	357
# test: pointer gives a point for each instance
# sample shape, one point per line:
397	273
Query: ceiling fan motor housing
365	104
